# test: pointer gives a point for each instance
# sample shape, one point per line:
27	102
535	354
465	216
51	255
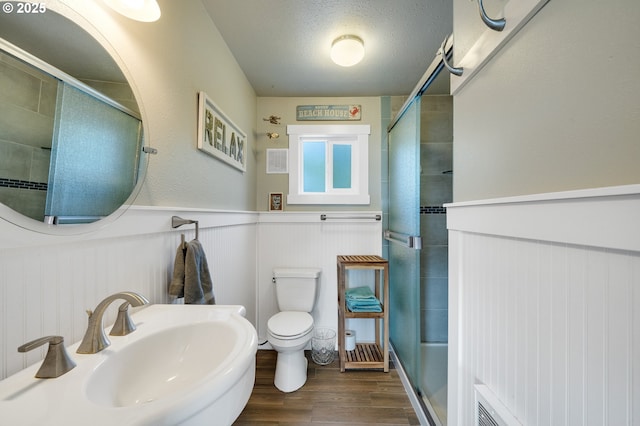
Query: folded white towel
191	277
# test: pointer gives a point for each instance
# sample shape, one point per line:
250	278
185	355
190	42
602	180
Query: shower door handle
494	24
410	241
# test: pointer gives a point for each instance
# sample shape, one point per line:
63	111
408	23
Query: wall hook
494	24
453	70
273	119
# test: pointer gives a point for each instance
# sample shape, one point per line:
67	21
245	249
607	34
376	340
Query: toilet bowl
290	330
289	333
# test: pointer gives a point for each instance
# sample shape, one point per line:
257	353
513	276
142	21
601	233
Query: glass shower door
404	240
94	146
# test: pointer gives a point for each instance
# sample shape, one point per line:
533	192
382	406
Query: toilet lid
288	324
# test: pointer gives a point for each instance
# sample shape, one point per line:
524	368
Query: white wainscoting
544	296
302	240
47	282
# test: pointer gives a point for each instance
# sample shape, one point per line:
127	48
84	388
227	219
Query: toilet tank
296	288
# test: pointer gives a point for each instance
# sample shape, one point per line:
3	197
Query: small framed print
276	201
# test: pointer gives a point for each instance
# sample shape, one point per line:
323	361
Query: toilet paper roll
349	340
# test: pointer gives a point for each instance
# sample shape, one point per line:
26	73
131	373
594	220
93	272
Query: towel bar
177	221
376	217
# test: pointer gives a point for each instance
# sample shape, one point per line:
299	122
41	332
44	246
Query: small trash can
323	344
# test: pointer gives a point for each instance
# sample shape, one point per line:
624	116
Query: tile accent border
433	210
23	184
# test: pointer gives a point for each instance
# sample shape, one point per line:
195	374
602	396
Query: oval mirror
71	137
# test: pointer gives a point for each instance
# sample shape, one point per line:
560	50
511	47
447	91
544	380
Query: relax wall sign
328	112
218	136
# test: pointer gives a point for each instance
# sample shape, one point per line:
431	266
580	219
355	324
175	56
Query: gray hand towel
191	277
176	287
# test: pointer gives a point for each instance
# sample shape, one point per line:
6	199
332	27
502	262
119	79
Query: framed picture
276	201
218	136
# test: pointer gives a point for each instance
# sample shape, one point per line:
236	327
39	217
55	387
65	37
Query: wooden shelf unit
366	355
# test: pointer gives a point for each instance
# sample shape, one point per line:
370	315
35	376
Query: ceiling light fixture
347	50
139	10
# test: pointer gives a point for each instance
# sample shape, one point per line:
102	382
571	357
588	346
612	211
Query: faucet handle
123	325
56	362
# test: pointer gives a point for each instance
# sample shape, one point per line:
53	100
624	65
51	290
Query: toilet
290	330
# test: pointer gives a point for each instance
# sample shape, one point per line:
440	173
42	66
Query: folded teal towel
360	293
359	307
362	299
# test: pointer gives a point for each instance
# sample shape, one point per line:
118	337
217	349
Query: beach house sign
328	112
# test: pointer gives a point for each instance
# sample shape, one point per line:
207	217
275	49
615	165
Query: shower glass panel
436	149
420	182
94	157
404	221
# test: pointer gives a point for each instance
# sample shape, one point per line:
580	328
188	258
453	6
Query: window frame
357	136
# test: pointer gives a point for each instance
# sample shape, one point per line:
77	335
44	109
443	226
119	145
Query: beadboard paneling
302	240
548	325
47	282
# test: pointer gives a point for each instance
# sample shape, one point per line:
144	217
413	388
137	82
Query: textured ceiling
283	45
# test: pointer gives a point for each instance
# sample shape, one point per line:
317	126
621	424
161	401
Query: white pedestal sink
184	365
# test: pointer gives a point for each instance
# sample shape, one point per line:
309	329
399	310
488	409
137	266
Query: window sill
328	199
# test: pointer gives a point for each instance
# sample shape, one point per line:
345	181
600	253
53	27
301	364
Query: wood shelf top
362	260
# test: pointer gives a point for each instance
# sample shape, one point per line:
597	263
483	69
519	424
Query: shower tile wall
27	110
26	124
436	147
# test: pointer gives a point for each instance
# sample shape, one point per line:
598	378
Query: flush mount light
347	50
139	10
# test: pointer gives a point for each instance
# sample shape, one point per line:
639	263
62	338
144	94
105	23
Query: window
329	164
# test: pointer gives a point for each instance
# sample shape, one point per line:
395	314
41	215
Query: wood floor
329	397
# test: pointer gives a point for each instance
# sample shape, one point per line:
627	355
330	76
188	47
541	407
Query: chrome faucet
56	362
95	339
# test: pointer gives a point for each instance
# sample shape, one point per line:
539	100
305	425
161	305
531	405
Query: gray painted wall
557	108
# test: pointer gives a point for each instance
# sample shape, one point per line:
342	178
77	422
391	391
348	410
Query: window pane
313	164
342	166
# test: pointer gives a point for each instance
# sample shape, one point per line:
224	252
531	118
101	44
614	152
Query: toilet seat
290	324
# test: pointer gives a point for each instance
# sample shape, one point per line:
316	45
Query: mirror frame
14	217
